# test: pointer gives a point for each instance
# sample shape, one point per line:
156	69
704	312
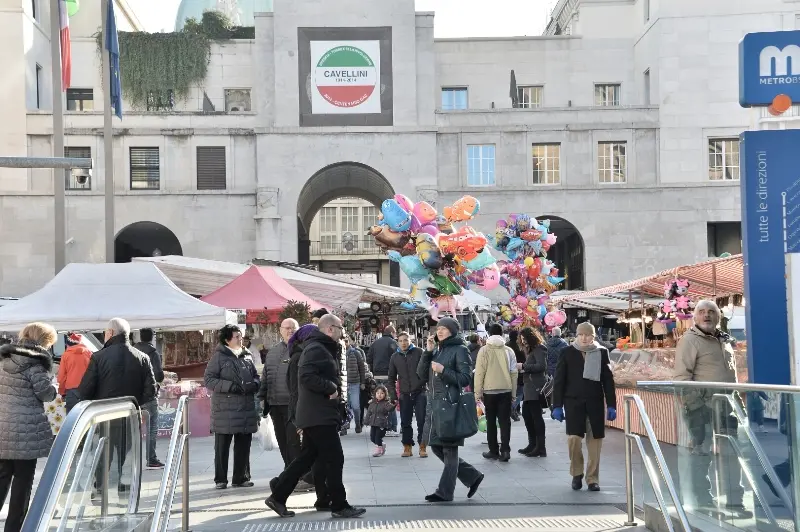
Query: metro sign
769	68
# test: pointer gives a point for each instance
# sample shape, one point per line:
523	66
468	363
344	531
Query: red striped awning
710	279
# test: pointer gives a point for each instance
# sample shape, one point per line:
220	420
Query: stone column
268	224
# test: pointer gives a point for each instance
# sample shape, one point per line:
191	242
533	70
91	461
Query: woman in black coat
233	382
533	378
584	392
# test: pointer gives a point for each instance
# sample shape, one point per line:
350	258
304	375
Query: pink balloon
429	229
522	301
404	202
551	239
424	212
491	277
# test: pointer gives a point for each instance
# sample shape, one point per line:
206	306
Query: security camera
82	175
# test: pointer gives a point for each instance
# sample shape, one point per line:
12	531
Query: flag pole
59	176
108	148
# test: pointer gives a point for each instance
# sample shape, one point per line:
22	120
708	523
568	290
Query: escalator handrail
662	463
65	446
766	465
170	465
729	386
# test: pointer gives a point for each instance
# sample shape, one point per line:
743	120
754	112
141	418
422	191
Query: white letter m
781	58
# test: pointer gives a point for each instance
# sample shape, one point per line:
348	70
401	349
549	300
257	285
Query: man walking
274	391
413	398
378	357
356	378
554	346
495	382
145	345
318	416
704	354
118	370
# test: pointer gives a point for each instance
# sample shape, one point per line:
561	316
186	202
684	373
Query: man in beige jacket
705	354
495	383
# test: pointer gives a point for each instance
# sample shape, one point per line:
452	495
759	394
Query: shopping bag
266	434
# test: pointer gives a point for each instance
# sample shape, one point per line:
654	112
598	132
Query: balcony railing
354	247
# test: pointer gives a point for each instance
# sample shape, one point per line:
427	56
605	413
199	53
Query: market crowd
317	383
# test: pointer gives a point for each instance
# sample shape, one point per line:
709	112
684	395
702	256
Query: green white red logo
346	76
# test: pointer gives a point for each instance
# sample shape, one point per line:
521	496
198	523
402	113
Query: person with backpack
495	384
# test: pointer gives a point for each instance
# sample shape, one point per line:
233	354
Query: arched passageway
568	253
145	239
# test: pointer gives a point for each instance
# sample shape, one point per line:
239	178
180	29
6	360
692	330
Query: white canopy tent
470	299
84	297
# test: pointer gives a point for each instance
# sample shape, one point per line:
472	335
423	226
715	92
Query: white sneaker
392	434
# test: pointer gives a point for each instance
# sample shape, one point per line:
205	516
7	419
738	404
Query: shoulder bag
455	418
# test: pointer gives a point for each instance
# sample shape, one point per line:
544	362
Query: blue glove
612	414
558	414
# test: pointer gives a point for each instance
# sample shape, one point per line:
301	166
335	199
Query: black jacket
232	412
155	359
473	352
520	356
118	370
319	377
379	354
403	366
554	346
274	378
291	378
583	398
533	370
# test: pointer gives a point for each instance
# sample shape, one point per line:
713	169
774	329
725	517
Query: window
80	100
237	100
612	162
480	165
369	217
328	236
350	220
606	95
211	174
454	98
647	87
724	237
38	86
145	169
546	164
723	159
82	182
530	97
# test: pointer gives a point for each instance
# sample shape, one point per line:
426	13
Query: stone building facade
624	128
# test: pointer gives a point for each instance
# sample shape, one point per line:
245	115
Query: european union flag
112	45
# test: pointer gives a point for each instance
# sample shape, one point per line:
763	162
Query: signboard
770	229
769	66
346	77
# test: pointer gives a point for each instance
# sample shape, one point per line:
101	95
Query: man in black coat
584	387
319	416
378	357
118	370
413	399
145	345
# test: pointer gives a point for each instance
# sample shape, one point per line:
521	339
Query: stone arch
145	239
569	253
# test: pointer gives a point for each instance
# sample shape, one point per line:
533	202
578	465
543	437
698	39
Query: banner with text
345	77
770	229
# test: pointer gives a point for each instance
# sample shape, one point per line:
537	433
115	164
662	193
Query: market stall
656	320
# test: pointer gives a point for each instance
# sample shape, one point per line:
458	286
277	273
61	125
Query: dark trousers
454	469
498	408
71	398
119	444
376	435
18	476
534	423
285	433
412	404
322	448
241	457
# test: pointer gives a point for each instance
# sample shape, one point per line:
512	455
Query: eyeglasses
340	327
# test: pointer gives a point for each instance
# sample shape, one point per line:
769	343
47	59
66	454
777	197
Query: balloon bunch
438	259
676	302
528	275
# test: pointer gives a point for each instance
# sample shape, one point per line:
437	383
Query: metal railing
355	247
178	454
82	422
630	438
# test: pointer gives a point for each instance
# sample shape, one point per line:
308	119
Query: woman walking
25	385
233	382
447	370
533	371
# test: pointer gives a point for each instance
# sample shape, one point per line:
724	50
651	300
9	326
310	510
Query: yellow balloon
528	262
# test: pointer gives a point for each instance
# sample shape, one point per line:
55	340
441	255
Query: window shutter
145	168
211	168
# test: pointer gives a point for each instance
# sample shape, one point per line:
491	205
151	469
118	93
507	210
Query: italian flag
346	76
66	9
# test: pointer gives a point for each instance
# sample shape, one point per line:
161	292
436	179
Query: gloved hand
235	389
251	387
612	414
558	414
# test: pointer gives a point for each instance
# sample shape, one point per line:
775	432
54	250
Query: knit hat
450	324
585	328
72	338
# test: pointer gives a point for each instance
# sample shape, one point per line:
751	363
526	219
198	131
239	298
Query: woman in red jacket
73	365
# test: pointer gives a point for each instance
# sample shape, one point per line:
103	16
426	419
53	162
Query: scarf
593	360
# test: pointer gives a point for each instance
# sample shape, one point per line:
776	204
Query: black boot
526	450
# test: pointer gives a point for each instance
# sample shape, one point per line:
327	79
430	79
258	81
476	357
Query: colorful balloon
404	202
395	216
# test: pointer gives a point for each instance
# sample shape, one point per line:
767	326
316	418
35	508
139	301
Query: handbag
547	390
266	435
455	420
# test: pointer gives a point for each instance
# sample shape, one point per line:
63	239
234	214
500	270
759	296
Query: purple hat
301	335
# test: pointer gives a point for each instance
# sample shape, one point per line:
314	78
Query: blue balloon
397	218
536	246
410	265
483	260
408	306
542	311
555	280
515	243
